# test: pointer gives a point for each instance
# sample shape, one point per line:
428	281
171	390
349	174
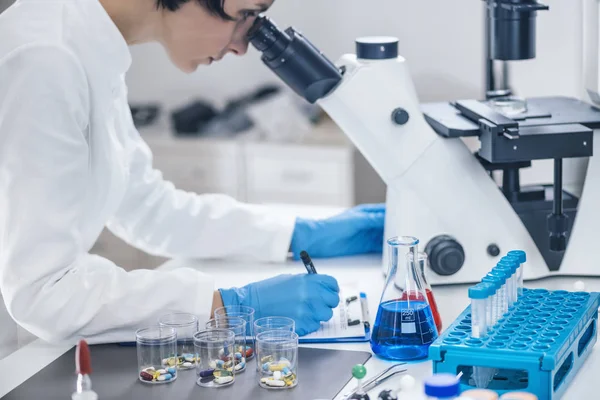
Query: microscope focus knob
446	255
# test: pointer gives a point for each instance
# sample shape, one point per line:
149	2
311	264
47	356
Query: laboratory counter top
364	273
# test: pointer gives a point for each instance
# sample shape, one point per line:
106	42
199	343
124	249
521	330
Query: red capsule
146	376
249	353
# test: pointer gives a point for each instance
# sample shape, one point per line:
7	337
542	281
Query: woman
71	163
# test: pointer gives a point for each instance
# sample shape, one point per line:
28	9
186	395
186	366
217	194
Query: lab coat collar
109	46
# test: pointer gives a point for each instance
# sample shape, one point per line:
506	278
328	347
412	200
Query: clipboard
350	322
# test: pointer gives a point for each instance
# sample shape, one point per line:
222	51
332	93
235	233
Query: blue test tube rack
537	347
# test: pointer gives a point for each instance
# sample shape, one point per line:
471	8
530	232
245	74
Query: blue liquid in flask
403	330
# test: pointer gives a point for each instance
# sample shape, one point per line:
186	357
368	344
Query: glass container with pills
247	314
277	355
238	326
215	354
157	354
185	325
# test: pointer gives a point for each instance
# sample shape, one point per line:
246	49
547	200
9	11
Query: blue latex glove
358	230
307	299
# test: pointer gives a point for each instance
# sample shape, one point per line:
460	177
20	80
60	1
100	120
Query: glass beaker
404	327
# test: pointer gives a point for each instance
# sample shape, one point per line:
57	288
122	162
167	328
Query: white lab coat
71	163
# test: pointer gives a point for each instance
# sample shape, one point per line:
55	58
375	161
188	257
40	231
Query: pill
146	376
220	363
187	365
286	371
223	380
162	371
277	375
265	366
240	366
156	375
167	377
276	367
238	356
180	360
275	383
150	370
212	365
285	361
222	373
172	371
264	380
266	359
249	352
171	362
205	373
189	359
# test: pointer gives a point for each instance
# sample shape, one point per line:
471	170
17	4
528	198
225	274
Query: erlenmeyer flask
428	291
404	327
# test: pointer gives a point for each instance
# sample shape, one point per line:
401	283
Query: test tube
478	295
495	303
502	302
522	256
507	269
514	264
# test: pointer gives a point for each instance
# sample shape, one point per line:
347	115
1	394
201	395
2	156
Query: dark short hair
215	7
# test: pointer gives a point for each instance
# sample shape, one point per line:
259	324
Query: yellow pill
155	375
276	367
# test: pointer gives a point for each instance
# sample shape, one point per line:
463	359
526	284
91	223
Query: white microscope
437	189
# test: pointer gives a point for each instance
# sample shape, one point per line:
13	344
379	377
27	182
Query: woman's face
193	36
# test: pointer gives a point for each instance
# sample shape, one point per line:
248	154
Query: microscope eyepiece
267	37
294	59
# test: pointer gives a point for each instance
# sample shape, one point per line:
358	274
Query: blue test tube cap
442	385
494	280
520	254
510	261
501	275
478	292
507	268
482	290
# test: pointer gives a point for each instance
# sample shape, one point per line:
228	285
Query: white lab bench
364	272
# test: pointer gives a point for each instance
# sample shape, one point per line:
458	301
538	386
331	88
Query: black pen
308	264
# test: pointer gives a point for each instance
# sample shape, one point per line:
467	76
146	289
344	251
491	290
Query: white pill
189	359
162	371
240	366
275	383
579	286
188	365
277	375
165	361
162	378
212	365
223	380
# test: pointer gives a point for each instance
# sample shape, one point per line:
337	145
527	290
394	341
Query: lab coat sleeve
50	284
162	220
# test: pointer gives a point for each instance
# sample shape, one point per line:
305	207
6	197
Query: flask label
407	320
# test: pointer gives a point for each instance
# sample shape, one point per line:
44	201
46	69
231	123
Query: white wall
442	39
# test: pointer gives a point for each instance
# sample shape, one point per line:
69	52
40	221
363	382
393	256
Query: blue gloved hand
308	299
355	231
